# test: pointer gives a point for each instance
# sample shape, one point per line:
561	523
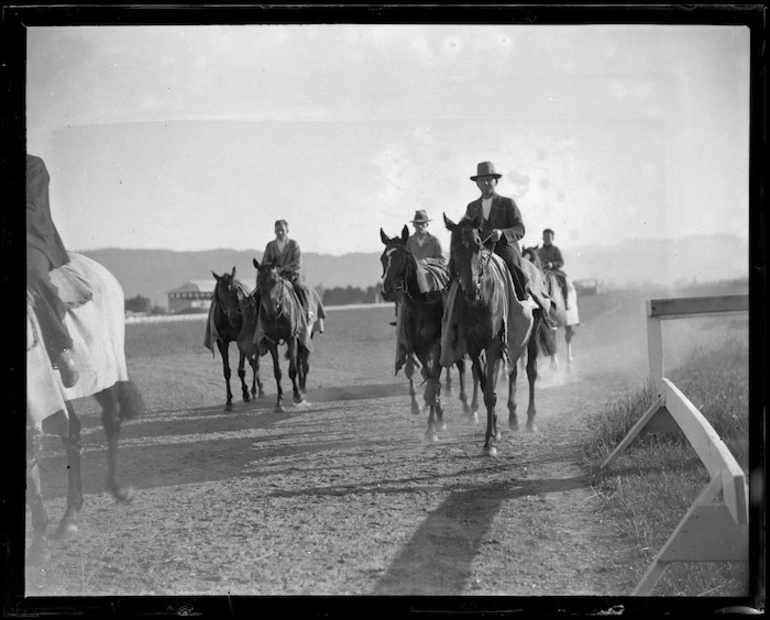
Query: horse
233	318
484	317
96	323
282	319
567	318
419	323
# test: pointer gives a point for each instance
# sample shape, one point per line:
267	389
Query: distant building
192	296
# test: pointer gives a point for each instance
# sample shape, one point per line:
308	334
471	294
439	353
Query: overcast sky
200	137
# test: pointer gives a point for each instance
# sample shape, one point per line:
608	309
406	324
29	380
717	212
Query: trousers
48	307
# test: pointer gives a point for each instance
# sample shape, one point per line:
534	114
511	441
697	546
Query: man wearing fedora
424	246
502	226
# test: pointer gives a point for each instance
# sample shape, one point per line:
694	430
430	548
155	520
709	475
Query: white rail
715	528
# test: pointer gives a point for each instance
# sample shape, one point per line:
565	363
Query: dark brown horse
488	319
98	332
233	318
565	318
282	320
420	315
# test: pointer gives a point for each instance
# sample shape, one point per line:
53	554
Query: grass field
654	481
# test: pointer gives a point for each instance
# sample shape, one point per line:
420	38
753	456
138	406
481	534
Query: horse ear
232	275
254	261
405	233
450	225
384	237
216	277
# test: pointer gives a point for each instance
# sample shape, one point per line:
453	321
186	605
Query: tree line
336	296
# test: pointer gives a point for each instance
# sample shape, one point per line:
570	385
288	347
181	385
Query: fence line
165	318
715	528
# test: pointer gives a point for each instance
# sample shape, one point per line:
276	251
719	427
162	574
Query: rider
426	248
502	225
46	251
551	259
285	254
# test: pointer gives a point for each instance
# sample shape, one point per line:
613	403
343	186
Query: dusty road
344	496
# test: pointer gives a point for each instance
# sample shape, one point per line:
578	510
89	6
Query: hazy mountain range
152	273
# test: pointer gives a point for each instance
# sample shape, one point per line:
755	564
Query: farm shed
195	294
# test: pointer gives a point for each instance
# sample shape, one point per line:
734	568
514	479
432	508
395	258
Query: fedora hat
421	216
486	169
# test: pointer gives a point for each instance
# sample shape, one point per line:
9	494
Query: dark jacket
551	254
505	216
41	231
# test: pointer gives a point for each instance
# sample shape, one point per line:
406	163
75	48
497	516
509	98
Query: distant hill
152	273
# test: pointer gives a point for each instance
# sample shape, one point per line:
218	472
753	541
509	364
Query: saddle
73	287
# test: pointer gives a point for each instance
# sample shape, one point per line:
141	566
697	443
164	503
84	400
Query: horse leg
532	348
278	375
463	396
490	400
568	333
293	346
68	526
38	552
448	381
303	360
478	380
242	375
256	380
108	399
409	372
513	418
224	352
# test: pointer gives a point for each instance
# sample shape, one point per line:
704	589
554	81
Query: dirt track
344	495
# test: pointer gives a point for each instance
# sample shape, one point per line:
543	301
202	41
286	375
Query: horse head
271	288
230	294
531	254
396	262
468	255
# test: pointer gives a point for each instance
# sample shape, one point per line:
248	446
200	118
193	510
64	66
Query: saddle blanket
517	319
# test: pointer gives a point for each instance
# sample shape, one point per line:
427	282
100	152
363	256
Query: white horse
97	328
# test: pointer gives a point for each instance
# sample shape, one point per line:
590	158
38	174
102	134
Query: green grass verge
650	486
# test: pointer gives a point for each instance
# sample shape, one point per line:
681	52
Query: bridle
401	289
485	260
277	303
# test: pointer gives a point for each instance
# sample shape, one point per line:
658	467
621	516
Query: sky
200	137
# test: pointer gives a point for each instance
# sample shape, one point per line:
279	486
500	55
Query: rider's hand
549	265
496	234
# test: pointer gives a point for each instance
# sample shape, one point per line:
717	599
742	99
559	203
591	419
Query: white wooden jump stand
715	528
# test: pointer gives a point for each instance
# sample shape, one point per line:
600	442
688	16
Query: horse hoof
513	424
246	398
490	451
37	556
279	409
416	409
443	427
228	407
498	436
262	394
67	529
531	427
431	437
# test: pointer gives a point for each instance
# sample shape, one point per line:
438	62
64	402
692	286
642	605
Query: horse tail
546	338
130	399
